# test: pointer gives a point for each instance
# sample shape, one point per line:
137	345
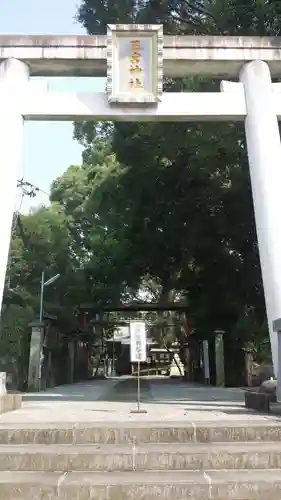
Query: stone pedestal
35	357
219	352
269	387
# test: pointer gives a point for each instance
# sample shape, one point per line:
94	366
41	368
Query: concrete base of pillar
258	401
3	389
269	387
10	402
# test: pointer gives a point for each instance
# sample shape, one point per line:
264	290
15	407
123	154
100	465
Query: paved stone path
111	401
126	391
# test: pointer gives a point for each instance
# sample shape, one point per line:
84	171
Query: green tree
42	242
184	194
100	253
15	341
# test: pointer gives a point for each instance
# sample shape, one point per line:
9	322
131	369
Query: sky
49	147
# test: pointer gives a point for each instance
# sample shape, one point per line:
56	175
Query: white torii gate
255	100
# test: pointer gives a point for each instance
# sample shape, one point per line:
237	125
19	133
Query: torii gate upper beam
214	56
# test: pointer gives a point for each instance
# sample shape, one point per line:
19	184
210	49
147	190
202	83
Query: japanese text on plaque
138	347
136	71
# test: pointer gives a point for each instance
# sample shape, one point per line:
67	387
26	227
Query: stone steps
134	432
141	461
158	457
193	485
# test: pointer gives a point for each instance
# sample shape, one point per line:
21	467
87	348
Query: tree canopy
181	192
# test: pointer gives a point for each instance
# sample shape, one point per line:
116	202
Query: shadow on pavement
156	391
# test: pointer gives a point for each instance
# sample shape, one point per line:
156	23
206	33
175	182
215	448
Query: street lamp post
43	285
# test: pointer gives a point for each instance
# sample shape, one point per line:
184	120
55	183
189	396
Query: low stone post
249	364
35	356
219	353
206	362
71	360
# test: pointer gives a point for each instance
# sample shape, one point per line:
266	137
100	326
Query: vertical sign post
138	352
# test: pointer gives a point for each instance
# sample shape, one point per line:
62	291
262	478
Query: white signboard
138	341
135	63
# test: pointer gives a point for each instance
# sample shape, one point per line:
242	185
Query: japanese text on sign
136	70
138	342
135	64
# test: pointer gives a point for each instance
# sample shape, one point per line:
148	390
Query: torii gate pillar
14	75
264	152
